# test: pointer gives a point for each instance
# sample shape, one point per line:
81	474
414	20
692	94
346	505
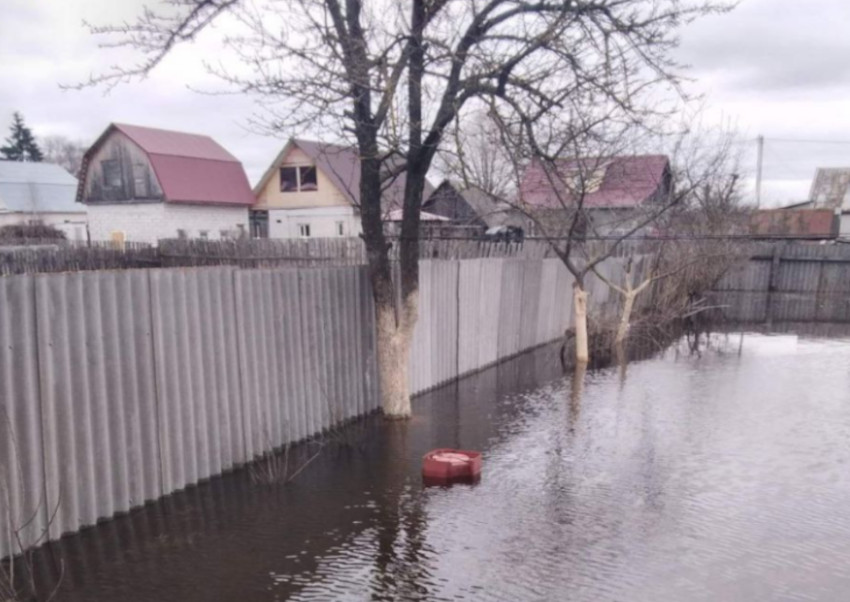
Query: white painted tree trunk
393	349
580	312
626	316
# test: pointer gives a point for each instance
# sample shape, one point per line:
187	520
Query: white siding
323	222
844	226
148	222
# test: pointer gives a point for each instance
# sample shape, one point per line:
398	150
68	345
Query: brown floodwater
722	475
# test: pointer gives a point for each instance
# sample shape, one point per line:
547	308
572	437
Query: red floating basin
445	466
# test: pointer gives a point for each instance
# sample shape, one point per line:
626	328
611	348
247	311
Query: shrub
30	231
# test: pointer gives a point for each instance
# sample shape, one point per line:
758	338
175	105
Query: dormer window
111	173
298	179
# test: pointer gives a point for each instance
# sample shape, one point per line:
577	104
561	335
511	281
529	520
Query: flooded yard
721	475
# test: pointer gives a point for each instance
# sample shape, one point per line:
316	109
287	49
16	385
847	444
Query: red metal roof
626	182
191	168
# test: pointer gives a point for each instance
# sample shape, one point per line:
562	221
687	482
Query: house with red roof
143	184
613	193
312	189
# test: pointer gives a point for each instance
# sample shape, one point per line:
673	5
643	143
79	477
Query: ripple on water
719	477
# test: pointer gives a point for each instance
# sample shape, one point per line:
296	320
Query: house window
340	228
182	234
304	230
289	179
307	178
140	181
298	179
111	173
203	234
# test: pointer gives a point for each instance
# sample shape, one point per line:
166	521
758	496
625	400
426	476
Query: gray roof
493	211
831	188
37	187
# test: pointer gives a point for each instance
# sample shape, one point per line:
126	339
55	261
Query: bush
30	231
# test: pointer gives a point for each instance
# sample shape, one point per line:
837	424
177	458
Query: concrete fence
119	387
788	282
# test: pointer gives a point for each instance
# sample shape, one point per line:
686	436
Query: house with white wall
312	189
41	193
143	184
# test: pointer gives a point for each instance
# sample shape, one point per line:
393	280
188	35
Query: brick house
142	184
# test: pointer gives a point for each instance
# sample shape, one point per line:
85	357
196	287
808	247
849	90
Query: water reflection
713	477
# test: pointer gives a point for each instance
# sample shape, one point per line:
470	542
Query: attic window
140	183
289	179
307	178
586	183
111	173
298	179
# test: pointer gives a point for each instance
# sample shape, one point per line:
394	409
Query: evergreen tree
21	145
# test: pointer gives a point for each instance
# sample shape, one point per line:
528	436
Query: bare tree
392	76
473	155
590	183
19	572
690	241
64	152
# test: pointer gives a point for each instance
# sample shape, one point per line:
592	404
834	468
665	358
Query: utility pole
759	160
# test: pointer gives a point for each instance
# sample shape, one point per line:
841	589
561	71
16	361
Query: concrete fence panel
119	387
470	321
510	308
548	315
261	312
444	307
97	395
23	503
532	299
200	401
489	317
421	369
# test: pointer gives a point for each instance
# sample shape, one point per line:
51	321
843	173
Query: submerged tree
21	144
590	184
392	76
693	243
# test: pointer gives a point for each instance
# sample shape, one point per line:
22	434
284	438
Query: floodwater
723	475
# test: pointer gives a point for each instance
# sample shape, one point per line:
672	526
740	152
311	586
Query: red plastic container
445	466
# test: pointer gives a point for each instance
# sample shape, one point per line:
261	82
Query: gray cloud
773	46
775	67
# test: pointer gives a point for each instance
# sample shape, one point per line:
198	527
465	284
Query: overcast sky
778	68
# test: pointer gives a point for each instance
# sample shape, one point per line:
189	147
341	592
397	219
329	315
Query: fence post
773	281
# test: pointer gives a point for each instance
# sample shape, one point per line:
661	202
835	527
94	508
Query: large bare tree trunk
580	312
394	324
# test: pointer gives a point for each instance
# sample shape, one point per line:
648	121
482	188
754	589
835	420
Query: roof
811	223
831	188
395	215
190	168
341	164
37	187
469	207
799	205
610	182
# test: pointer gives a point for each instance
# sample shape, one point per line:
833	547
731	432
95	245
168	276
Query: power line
806	141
